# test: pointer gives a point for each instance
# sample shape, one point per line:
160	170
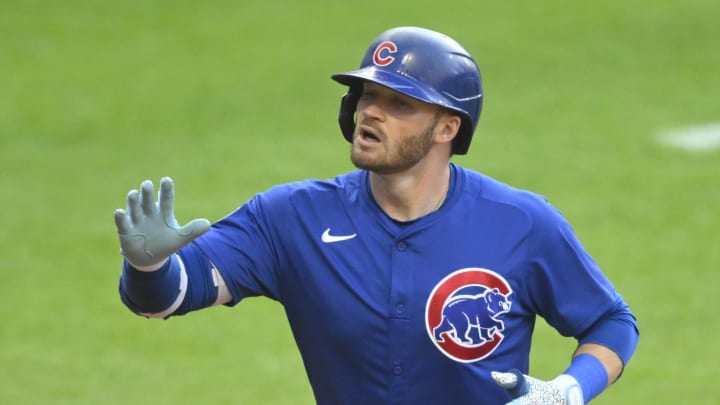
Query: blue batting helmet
422	64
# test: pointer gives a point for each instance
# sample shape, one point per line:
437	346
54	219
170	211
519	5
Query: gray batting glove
563	390
149	232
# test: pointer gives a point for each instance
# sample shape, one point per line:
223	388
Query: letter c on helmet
384	60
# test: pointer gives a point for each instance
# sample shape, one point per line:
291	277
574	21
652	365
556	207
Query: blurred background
230	98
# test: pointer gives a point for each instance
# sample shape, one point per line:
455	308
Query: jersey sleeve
242	246
564	283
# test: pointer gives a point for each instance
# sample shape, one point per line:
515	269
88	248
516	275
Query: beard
395	158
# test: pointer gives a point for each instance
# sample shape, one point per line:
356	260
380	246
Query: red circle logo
464	311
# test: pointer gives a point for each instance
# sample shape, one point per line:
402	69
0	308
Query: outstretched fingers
133	207
166	198
147	195
122	221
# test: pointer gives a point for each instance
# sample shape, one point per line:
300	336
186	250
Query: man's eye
400	102
367	96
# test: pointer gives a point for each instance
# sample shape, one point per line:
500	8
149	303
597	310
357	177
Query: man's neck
411	194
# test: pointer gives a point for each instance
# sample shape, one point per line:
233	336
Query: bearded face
394	132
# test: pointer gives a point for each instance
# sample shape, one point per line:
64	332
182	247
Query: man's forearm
609	359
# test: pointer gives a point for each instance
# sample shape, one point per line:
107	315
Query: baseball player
411	280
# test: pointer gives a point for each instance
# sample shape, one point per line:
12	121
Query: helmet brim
395	81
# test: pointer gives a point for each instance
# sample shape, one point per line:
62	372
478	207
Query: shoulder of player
312	189
488	190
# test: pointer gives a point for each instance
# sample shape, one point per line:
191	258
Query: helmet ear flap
346	117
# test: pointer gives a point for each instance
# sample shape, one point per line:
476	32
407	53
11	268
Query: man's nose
373	110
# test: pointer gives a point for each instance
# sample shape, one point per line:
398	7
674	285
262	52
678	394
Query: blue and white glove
149	232
563	390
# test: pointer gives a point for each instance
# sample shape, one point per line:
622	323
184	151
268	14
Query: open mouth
368	133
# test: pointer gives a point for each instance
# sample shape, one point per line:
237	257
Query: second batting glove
563	390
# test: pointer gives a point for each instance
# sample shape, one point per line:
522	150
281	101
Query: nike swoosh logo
327	238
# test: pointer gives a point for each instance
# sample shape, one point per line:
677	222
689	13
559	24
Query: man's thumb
513	381
194	228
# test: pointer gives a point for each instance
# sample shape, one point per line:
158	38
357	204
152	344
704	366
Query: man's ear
448	127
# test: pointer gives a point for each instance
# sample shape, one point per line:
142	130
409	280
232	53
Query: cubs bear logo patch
464	312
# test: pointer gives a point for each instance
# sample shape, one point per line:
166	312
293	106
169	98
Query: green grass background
231	97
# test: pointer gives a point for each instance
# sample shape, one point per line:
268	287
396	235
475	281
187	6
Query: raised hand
149	232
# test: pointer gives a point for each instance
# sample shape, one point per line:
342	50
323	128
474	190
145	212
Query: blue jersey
419	312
